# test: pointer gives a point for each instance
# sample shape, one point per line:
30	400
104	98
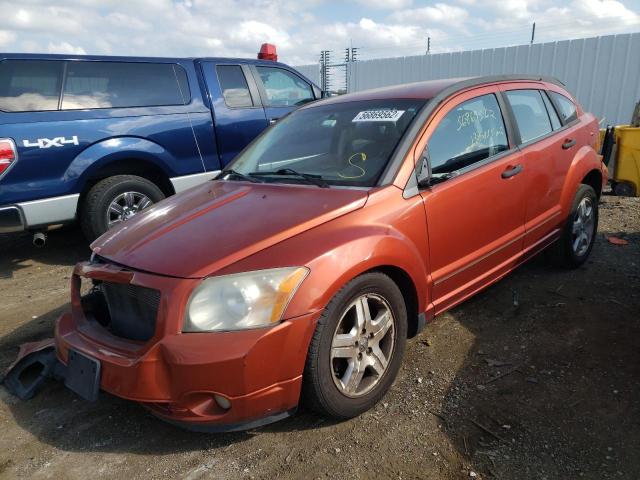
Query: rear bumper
38	213
11	219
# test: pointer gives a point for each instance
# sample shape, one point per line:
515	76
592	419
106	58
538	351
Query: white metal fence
603	72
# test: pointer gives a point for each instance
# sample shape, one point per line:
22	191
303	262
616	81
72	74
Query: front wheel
114	200
578	236
357	348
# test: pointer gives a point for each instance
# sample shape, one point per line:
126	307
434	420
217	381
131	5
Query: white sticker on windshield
387	115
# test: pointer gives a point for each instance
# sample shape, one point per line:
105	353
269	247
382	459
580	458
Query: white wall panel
602	72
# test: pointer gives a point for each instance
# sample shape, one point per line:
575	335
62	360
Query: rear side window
284	88
234	86
120	84
566	107
30	85
553	116
470	133
531	114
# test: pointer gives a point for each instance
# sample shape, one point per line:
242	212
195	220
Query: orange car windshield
346	143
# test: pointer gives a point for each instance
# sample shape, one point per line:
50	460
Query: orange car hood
206	228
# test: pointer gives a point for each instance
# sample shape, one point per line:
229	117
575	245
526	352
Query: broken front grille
127	311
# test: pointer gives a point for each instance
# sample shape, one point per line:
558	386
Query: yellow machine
626	167
621	153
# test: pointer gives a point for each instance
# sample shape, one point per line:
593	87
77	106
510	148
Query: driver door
475	206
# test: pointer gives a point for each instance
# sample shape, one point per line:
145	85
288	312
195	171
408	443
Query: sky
300	28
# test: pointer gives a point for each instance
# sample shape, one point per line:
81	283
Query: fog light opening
222	402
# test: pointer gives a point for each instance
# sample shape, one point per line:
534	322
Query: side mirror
424	170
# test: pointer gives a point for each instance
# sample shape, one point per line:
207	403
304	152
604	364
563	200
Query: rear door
547	155
281	90
474	217
237	108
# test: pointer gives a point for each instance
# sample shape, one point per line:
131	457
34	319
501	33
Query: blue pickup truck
97	139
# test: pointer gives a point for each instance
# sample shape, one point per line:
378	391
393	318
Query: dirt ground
534	378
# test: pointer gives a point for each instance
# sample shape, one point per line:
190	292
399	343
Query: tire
93	219
564	252
323	389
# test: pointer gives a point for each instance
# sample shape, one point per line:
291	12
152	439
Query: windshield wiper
310	178
234	173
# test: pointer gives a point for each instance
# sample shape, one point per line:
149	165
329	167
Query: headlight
243	300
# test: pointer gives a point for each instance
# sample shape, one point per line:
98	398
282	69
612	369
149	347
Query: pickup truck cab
100	138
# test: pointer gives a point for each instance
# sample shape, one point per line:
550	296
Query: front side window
531	114
233	84
346	143
284	89
120	84
567	107
30	85
470	133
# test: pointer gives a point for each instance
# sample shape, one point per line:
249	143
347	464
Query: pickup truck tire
579	233
94	211
367	337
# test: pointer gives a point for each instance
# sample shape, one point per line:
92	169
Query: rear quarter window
566	108
30	85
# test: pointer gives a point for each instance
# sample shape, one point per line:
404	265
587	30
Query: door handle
272	121
512	171
568	143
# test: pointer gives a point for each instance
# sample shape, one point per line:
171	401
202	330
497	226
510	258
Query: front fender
361	250
585	160
102	153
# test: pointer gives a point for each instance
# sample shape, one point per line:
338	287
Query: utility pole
533	32
428	45
354	54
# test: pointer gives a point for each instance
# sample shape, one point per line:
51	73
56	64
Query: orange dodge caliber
302	269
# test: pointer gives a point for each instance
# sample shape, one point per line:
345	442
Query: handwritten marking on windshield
364	157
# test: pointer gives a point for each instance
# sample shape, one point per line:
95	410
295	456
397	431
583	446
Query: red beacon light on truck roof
268	52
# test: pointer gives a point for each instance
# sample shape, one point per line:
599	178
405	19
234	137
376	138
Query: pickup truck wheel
579	233
357	348
114	200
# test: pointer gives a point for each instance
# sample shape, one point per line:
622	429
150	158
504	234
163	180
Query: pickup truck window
30	85
284	89
120	84
531	114
473	131
234	86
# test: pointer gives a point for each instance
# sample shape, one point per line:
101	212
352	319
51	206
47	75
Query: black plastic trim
229	427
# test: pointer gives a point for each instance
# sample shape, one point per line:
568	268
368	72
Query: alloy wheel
125	206
362	345
583	227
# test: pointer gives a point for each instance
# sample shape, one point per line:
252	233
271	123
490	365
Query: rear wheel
579	233
114	200
357	348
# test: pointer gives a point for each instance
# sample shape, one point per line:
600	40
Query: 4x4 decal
51	142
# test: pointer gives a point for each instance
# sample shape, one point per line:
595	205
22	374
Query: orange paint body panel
447	240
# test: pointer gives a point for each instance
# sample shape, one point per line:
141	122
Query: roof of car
432	88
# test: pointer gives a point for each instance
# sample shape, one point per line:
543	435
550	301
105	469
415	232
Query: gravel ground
534	378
